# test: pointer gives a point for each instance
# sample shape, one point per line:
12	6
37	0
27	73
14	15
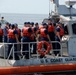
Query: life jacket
40	27
11	34
42	33
32	37
25	32
1	32
50	28
61	31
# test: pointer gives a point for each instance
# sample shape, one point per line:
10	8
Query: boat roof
66	13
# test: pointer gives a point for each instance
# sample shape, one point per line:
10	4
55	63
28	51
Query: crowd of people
31	32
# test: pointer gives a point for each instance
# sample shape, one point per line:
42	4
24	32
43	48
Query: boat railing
20	51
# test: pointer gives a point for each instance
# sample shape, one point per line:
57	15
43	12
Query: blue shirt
5	31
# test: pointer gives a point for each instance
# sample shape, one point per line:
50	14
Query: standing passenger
13	38
33	38
58	37
51	31
26	34
5	30
44	36
19	32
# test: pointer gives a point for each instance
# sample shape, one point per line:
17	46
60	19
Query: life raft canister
39	47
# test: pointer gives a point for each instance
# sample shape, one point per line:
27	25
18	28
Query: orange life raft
39	47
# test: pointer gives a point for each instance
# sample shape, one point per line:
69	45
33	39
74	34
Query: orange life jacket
32	37
61	31
1	32
11	34
40	27
50	28
42	33
25	32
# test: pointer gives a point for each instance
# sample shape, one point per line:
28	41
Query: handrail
21	43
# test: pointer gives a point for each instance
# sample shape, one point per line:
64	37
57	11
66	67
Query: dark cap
9	24
13	26
32	23
28	23
36	23
44	24
25	22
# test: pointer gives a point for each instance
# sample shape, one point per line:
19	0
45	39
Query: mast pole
70	6
49	8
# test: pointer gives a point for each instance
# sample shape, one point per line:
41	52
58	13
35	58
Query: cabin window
66	30
74	28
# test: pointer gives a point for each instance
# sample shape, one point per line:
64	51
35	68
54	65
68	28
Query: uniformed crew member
13	38
26	33
59	33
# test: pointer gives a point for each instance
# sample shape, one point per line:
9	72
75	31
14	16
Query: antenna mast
49	8
70	3
70	6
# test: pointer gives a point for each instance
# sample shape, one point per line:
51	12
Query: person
19	32
2	21
13	38
58	37
32	24
1	34
44	36
33	38
43	33
19	38
5	30
36	28
26	33
51	31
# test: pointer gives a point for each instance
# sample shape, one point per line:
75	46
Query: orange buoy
39	47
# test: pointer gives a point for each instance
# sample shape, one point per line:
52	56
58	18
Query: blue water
21	18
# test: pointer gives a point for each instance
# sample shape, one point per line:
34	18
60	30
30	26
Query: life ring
39	47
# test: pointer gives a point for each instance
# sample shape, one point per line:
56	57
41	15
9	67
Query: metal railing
13	51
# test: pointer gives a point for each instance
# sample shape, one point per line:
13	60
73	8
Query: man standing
26	34
5	31
13	38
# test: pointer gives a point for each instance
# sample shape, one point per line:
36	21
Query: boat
50	63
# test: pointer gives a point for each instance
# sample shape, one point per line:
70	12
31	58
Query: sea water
21	18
